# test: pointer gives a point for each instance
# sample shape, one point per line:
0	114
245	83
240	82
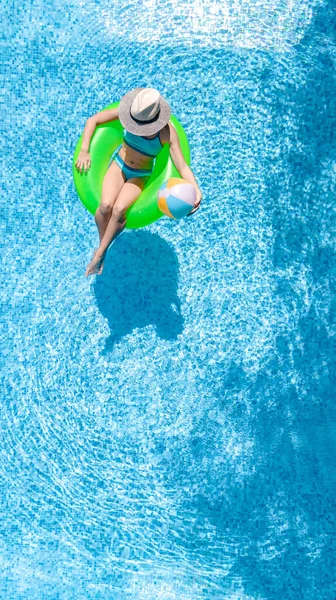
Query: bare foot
96	264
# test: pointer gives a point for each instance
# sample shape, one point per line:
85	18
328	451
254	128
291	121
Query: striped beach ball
176	197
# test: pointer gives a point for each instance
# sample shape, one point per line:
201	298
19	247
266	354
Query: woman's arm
102	117
84	160
181	165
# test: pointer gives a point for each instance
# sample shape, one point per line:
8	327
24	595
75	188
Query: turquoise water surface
168	428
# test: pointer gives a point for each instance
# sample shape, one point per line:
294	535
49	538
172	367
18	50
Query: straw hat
143	111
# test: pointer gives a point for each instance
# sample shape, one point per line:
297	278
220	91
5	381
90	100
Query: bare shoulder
167	134
106	115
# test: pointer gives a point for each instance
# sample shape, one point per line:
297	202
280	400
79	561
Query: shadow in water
138	287
275	507
282	516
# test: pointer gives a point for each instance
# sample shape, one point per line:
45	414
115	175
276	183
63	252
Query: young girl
144	114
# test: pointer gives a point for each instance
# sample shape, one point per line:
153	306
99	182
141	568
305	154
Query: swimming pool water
168	428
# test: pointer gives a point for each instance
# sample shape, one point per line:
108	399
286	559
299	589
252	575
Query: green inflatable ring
105	140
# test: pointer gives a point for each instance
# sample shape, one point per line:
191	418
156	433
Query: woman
144	114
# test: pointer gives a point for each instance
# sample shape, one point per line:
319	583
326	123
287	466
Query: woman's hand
199	197
83	161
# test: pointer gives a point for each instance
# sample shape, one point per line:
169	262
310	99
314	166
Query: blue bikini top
140	144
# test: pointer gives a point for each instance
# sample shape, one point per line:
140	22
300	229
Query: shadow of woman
138	287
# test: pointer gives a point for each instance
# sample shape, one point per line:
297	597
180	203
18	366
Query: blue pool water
168	428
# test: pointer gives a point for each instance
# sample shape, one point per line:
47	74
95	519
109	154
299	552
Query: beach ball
176	197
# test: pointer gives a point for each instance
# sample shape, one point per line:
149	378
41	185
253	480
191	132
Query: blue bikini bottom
129	171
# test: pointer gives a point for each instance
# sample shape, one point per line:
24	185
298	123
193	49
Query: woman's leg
112	185
129	193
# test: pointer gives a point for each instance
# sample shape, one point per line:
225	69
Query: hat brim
127	121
